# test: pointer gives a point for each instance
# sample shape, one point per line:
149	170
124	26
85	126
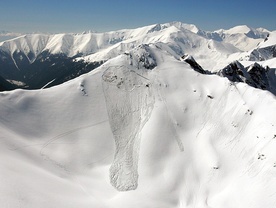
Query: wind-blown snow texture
145	129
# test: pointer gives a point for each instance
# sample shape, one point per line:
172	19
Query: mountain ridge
58	38
213	51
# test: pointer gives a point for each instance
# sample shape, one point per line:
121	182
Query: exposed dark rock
262	54
254	75
235	72
190	60
143	58
157	27
266	39
259	78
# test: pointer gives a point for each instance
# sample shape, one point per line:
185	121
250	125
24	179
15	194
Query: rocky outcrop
142	57
190	60
262	54
259	77
235	72
254	75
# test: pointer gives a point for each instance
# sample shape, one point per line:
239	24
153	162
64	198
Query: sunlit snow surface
181	139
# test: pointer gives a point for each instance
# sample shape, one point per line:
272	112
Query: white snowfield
270	41
127	136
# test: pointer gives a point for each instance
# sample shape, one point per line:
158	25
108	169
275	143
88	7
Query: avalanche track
129	101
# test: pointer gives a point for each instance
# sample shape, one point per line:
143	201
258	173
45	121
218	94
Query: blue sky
107	15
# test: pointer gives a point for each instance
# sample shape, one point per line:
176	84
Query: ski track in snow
55	138
62	166
59	136
66	134
129	102
169	114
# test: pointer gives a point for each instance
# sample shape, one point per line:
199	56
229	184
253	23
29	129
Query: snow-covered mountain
266	50
151	126
29	57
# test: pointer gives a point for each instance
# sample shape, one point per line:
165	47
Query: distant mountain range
39	60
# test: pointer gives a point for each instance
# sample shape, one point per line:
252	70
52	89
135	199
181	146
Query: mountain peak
176	38
180	25
238	29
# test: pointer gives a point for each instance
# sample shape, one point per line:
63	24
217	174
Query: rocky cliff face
262	54
235	72
190	60
259	77
254	75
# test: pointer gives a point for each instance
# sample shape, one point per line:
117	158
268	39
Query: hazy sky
107	15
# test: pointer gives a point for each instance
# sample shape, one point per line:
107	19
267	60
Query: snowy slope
177	42
190	140
266	49
270	40
70	44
